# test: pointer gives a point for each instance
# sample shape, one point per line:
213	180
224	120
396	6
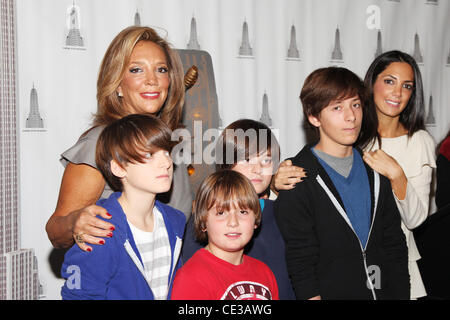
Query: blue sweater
111	271
267	245
355	194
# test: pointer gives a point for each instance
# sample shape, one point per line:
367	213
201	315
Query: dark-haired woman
403	150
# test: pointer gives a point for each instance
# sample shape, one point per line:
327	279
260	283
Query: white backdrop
65	77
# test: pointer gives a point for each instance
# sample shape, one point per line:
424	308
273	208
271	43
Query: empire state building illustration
448	59
417	55
379	45
18	266
265	117
193	42
336	55
74	38
137	18
430	120
34	119
293	50
245	49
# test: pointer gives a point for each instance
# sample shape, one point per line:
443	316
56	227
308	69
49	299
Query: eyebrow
140	62
340	100
390	75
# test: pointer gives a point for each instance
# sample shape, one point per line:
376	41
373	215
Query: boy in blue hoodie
140	260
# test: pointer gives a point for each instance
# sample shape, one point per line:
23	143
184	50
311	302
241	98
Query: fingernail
101	242
109	234
112	228
89	249
108	214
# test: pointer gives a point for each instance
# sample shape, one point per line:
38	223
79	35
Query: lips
233	235
393	103
163	176
150	95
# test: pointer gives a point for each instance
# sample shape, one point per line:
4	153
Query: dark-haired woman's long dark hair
413	116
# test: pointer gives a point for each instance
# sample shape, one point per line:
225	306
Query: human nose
152	78
397	91
350	114
166	160
232	220
256	167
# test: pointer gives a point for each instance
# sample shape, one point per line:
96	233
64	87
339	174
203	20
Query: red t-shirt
207	277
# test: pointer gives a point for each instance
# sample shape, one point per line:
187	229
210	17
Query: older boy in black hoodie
341	225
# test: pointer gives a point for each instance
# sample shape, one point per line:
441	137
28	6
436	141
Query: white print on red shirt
247	290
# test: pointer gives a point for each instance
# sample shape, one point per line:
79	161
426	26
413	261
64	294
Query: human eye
147	156
388	81
337	108
266	162
135	70
357	105
243	212
408	86
163	69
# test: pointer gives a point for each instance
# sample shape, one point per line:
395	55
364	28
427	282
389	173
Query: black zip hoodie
324	255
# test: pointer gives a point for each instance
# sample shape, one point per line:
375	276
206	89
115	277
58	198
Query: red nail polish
112	228
108	214
102	242
89	249
109	234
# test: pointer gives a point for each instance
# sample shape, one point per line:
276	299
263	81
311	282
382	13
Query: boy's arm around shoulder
394	243
294	213
87	273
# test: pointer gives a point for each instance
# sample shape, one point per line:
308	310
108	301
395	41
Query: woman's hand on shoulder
88	229
288	176
383	163
387	166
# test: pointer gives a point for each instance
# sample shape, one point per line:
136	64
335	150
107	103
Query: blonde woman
140	73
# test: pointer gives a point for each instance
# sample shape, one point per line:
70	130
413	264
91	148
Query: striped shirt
154	248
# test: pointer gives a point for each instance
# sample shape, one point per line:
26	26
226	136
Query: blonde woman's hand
287	176
87	228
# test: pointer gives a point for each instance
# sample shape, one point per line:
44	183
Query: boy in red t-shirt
226	212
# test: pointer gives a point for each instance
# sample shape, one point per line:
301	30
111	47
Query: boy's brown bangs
340	90
145	139
226	197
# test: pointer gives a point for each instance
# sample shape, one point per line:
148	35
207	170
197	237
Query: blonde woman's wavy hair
114	65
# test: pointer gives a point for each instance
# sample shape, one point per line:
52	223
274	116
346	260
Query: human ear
117	170
314	121
119	91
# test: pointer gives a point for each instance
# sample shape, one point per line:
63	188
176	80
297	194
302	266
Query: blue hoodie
113	271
